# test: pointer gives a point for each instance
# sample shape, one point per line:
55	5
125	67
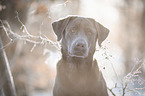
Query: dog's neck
77	60
82	70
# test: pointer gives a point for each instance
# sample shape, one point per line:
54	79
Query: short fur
77	73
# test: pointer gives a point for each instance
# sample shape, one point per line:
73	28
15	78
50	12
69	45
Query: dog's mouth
79	54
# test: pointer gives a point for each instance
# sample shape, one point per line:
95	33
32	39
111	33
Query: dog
77	73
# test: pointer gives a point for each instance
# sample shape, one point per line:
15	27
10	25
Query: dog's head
79	35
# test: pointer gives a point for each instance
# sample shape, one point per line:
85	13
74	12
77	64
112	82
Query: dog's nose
80	45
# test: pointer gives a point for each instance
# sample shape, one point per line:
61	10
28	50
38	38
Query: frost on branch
41	39
134	75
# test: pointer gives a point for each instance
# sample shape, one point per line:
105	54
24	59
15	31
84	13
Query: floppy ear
59	27
102	33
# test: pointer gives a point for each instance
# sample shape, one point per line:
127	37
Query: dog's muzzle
79	48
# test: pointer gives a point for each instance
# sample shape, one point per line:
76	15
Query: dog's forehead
81	21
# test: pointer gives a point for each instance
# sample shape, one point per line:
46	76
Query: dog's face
79	35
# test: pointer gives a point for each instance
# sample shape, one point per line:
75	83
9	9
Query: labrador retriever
77	73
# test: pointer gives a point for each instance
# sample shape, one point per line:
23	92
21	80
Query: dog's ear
59	27
102	32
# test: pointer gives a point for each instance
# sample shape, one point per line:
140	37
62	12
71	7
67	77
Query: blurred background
121	57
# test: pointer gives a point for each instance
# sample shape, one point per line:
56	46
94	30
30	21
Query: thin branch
124	90
111	90
27	37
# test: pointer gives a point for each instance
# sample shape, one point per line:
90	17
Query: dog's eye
73	30
89	32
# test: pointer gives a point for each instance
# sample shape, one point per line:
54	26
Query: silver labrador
77	73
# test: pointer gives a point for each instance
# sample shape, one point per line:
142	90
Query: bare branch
27	37
124	89
111	90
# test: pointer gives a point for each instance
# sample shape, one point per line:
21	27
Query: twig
27	37
124	89
111	91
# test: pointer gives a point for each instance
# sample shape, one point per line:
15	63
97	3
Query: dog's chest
81	82
78	82
80	78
